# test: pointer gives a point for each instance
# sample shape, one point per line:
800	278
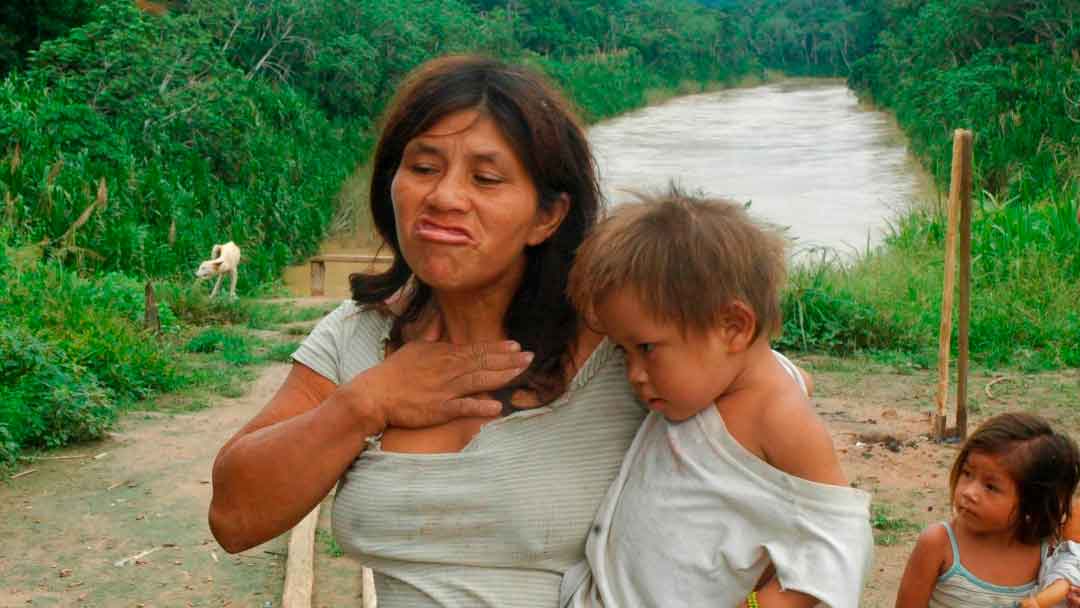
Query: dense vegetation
134	135
1011	72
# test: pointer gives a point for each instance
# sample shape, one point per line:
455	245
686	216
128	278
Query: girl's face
986	497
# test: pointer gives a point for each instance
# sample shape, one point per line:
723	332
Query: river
804	153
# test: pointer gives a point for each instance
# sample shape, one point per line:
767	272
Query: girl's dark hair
1044	464
548	139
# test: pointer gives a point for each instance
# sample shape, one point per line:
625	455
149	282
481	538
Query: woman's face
466	208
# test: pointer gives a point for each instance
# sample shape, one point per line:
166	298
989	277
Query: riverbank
138	497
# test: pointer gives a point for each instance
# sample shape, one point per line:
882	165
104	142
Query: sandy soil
143	492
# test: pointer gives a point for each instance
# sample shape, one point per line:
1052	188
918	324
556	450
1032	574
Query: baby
731	493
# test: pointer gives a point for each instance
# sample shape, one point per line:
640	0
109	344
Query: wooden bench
318	266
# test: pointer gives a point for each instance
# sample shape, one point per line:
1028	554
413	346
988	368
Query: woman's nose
449	193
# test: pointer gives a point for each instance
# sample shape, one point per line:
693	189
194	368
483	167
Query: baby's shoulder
785	416
796	441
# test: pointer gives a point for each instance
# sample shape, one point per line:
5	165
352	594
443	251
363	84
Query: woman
457	488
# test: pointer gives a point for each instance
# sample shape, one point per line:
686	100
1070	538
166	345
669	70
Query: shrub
46	400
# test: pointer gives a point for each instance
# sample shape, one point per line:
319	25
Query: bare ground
144	492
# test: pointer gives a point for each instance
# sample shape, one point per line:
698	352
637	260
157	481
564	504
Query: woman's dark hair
1044	464
549	141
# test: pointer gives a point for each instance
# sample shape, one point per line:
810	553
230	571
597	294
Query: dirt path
67	525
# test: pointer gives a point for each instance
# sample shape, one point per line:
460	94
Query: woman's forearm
283	462
276	469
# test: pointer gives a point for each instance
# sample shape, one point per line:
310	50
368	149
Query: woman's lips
442	233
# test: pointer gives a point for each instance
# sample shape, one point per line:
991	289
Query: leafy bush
95	323
46	400
234	348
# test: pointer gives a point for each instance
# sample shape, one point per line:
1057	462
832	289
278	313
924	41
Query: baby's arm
795	440
925	565
771	595
1051	596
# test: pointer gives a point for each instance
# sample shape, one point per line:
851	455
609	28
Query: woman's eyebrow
484	156
420	147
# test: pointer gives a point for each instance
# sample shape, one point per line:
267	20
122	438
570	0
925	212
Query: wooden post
318	277
964	137
367	588
151	320
961	174
300	566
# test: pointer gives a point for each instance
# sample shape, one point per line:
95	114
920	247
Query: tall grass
1025	288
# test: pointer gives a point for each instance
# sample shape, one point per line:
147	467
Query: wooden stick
151	320
318	278
367	588
24	473
300	565
962	141
986	388
137	556
75	457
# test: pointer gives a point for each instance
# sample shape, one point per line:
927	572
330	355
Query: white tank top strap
791	369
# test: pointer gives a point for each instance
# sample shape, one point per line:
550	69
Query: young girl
732	476
1012	487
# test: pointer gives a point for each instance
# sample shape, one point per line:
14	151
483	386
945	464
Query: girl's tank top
959	588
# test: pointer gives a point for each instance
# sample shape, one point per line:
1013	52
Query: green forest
133	135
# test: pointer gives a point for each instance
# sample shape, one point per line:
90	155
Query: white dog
223	259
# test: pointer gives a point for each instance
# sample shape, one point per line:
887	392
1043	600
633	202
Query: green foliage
192	149
234	348
282	352
1024	289
96	324
888	529
46	400
1007	70
822	37
329	543
25	24
821	313
73	351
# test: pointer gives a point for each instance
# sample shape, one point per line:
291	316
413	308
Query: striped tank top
498	523
959	588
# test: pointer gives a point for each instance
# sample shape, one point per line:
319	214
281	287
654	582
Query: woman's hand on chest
426	384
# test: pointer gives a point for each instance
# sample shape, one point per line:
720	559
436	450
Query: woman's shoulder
594	361
348	339
349	315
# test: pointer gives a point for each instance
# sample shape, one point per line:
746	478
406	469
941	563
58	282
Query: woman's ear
740	323
548	220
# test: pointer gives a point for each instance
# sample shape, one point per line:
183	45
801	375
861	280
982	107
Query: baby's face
673	374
